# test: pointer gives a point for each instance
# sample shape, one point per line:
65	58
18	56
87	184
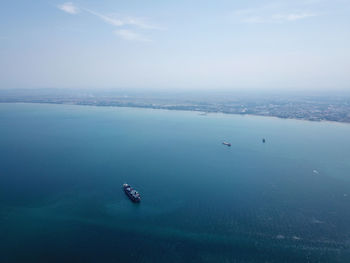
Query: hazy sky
176	44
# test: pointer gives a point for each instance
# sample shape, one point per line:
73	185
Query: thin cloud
141	23
69	8
253	20
271	13
294	17
276	18
110	20
130	35
123	21
132	24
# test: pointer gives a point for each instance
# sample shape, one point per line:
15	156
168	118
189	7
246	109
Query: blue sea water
62	167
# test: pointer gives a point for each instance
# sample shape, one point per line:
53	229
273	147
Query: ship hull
135	200
133	195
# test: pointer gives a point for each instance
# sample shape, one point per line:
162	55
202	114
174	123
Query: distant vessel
227	144
132	193
263	140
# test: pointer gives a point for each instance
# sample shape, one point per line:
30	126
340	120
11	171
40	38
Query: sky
198	44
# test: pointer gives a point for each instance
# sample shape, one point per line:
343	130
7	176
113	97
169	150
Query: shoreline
200	112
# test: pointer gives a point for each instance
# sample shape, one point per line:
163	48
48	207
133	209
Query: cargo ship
132	193
227	144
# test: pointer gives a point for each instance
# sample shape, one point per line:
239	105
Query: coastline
200	112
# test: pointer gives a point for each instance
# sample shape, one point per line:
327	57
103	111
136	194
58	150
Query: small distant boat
227	144
263	140
132	193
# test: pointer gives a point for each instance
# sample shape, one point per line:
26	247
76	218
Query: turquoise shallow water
62	166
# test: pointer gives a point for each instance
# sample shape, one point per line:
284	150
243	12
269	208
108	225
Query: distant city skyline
175	44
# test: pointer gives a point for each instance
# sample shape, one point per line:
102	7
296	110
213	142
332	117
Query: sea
62	168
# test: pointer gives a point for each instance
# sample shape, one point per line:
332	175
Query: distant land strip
302	109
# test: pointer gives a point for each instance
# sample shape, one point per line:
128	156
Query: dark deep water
62	167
